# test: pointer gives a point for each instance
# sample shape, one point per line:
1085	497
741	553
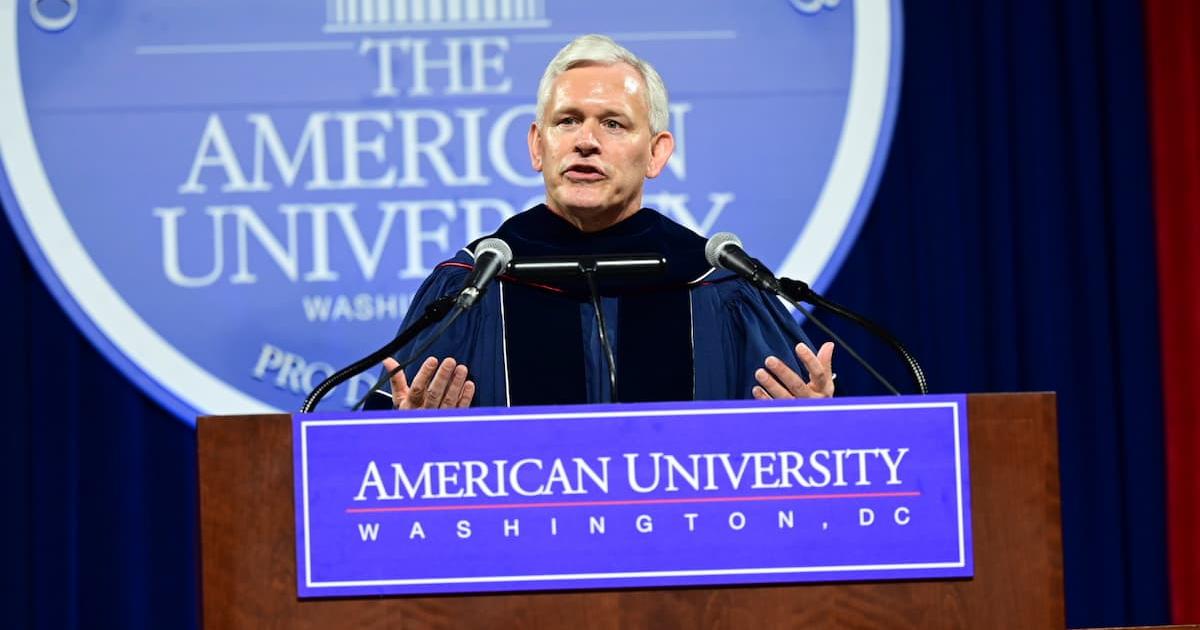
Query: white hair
587	50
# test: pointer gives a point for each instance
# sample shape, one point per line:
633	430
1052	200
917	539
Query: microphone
492	256
724	250
491	259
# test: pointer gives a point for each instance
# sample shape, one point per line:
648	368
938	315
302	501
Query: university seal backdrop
233	199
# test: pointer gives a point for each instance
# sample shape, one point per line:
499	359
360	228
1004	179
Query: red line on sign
562	504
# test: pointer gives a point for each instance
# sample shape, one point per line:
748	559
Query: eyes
610	124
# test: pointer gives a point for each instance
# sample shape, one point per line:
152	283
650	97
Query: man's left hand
778	381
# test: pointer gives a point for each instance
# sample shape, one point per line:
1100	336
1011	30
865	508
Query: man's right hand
435	386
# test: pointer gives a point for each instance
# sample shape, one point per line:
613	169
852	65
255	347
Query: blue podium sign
619	496
232	199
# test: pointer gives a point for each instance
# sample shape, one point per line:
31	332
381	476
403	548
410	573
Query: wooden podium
248	560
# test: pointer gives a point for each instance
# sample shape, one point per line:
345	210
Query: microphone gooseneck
845	346
457	310
433	313
799	291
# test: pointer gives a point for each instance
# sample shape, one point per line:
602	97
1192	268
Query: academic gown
692	333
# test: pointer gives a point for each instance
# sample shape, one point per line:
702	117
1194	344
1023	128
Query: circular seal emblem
232	199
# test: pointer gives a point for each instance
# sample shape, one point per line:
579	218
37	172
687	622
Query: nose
587	141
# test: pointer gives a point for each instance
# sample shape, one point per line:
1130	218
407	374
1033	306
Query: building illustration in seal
348	16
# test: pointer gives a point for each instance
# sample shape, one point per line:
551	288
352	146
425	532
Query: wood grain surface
249	569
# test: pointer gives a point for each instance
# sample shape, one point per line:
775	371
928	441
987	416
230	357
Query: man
700	333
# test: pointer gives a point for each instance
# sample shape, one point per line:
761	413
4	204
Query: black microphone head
718	242
501	249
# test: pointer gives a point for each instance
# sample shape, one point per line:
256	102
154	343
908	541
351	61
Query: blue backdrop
1010	244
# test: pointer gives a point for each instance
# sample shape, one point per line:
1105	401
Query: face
594	148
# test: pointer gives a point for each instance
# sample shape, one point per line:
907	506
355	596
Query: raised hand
778	381
435	386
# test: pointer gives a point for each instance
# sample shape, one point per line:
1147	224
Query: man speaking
691	332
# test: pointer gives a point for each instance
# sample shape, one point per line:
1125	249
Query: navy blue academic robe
692	333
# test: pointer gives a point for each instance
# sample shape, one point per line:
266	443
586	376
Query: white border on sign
662	413
179	376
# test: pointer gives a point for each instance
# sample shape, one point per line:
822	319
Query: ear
662	145
535	147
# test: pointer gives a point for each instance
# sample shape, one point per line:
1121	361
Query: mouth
584	173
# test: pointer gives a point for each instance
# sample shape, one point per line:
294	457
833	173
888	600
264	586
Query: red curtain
1173	55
